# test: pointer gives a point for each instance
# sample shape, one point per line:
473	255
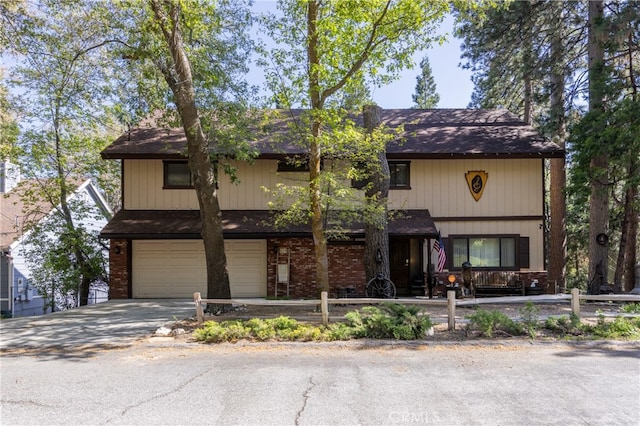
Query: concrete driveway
115	322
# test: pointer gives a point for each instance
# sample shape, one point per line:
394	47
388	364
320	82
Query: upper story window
177	175
399	175
294	165
499	252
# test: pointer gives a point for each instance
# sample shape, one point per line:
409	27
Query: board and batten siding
143	181
513	188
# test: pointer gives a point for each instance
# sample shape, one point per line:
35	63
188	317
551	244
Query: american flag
438	245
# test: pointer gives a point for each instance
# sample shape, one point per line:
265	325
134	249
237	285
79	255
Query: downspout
10	281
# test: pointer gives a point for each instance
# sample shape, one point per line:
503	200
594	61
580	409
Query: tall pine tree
426	96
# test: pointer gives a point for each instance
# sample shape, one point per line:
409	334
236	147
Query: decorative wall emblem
476	179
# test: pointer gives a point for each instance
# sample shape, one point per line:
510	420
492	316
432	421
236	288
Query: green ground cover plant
387	321
630	308
489	323
406	322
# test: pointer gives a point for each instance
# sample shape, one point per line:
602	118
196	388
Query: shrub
226	331
490	322
389	320
631	308
337	331
529	316
261	330
564	325
619	328
280	328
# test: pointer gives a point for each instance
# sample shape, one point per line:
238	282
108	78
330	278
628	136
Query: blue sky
453	84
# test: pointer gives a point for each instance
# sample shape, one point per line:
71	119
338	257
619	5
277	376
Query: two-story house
476	177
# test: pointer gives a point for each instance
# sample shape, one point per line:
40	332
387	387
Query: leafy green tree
541	51
193	54
327	48
63	79
425	96
522	59
8	127
51	250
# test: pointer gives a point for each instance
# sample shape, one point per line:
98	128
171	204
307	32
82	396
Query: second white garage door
176	268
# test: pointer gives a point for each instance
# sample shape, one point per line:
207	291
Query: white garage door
176	268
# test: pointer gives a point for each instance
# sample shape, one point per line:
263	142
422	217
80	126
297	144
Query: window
177	175
293	165
499	252
399	175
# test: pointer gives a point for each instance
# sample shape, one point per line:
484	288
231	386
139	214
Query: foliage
619	328
8	126
490	322
281	328
217	43
200	50
524	52
425	95
63	76
630	308
53	260
355	42
389	320
530	318
564	325
326	52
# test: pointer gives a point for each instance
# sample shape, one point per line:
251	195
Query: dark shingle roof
434	133
149	224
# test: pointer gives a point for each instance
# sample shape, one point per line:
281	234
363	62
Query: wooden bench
495	284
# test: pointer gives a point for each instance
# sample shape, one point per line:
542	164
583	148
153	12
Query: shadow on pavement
89	328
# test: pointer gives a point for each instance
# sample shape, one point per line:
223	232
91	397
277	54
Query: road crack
305	399
164	394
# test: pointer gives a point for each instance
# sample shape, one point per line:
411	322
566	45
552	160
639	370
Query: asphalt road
156	381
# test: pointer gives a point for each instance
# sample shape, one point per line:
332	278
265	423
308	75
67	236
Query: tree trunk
315	153
625	238
377	193
633	213
599	199
528	67
558	179
180	81
631	247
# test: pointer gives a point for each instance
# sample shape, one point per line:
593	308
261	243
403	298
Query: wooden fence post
451	305
575	302
199	312
324	306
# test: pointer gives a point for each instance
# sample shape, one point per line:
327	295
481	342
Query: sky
453	83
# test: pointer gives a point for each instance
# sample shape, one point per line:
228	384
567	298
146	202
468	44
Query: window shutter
523	252
448	250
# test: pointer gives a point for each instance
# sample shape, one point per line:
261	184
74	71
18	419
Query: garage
176	268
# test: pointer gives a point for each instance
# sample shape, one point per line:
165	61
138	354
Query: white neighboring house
18	296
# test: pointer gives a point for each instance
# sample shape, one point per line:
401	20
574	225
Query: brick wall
346	267
119	284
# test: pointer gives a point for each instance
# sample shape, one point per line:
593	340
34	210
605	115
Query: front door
399	257
406	264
